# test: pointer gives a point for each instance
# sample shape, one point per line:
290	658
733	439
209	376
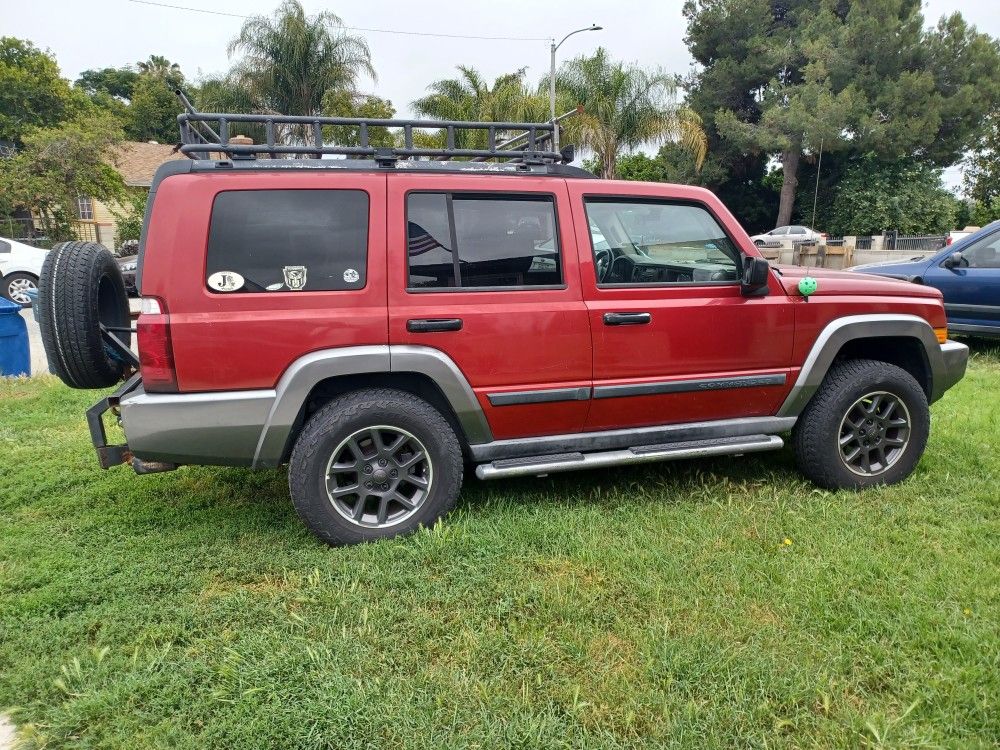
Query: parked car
128	265
20	267
968	275
378	325
787	234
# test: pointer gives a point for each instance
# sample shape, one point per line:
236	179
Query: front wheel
867	425
374	464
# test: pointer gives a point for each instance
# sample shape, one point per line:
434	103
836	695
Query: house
137	163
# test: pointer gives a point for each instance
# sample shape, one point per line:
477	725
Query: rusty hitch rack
110	455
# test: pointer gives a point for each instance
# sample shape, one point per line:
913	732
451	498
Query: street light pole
552	80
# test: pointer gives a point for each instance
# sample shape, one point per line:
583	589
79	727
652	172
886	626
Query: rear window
469	240
288	240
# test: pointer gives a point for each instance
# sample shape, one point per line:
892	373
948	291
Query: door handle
431	325
627	318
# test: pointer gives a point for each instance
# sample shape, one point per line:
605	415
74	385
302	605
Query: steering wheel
602	264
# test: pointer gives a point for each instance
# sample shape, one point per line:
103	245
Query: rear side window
288	240
4	248
473	240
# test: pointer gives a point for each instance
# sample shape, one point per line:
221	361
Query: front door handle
431	325
627	318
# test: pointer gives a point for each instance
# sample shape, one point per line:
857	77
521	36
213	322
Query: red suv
380	324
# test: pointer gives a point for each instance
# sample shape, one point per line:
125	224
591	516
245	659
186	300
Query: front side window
288	240
983	254
84	208
648	242
476	240
779	232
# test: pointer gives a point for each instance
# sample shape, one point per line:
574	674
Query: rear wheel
867	425
81	289
374	464
16	287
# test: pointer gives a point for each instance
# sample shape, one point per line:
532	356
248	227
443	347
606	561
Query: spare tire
81	288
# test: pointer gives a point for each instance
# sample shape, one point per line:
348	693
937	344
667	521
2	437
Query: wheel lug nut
382	462
368	469
393	473
368	484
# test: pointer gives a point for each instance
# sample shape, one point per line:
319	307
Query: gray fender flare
838	332
306	372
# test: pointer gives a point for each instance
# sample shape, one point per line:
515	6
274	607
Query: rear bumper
954	360
195	428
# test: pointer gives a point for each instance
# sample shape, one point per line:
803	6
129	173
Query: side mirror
756	272
954	260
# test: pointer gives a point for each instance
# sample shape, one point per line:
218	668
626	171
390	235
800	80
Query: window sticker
351	276
225	281
295	277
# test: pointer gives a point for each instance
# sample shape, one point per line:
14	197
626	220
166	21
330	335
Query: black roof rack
205	133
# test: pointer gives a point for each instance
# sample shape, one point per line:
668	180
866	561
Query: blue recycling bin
15	359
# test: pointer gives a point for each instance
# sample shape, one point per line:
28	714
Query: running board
536	465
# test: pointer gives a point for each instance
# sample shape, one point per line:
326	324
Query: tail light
948	240
156	355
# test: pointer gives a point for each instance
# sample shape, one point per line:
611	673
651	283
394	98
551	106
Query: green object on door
807	285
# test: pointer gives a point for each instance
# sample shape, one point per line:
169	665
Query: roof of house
137	162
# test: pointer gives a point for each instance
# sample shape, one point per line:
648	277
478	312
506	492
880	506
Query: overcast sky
111	33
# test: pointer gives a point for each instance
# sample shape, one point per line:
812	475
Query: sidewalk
6	734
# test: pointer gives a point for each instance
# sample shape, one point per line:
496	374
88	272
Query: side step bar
536	465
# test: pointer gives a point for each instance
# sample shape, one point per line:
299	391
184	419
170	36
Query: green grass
702	604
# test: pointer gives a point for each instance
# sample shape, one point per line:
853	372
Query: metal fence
922	243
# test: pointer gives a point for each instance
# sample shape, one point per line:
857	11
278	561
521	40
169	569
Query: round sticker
225	281
350	276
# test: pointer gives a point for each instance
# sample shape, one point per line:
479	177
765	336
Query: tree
59	164
152	113
116	82
875	196
782	79
982	172
625	107
32	93
160	67
470	97
290	61
344	104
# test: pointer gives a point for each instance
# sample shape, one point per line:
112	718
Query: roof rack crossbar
199	139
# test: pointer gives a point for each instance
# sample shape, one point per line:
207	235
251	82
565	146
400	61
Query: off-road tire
344	416
81	287
815	438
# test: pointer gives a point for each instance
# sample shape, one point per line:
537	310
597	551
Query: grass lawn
701	604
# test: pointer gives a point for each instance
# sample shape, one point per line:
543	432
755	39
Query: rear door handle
627	318
431	325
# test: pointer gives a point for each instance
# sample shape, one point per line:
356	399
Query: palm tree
470	97
158	66
625	107
290	60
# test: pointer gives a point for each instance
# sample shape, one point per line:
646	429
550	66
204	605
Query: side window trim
549	198
669	201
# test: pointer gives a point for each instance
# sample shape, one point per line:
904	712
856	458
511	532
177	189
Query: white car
781	236
20	267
